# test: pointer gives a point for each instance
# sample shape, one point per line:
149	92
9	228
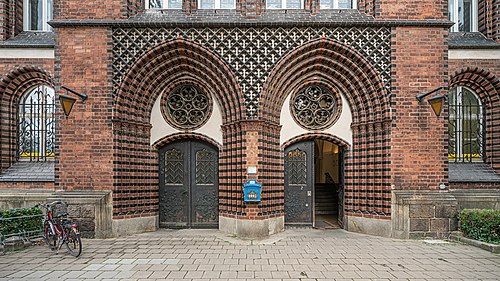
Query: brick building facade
188	100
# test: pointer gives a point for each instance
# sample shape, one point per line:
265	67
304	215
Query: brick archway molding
317	136
12	86
368	180
160	69
186	136
168	65
487	86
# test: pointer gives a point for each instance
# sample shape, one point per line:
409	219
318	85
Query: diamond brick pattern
252	52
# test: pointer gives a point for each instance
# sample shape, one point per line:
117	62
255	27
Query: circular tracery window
186	107
315	107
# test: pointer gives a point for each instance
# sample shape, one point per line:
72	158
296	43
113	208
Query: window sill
29	172
472	172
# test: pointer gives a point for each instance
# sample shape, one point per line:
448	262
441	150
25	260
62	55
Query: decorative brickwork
367	6
135	167
250	53
169	65
367	192
489	19
485	17
487	86
12	86
164	68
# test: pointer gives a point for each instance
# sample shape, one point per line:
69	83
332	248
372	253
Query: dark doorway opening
327	185
314	184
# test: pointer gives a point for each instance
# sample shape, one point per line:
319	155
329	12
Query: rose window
315	107
186	107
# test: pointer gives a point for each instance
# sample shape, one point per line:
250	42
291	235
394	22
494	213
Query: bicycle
59	230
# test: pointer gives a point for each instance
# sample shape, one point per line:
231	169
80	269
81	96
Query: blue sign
252	191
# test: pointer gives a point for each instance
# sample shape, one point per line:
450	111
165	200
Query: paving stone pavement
296	254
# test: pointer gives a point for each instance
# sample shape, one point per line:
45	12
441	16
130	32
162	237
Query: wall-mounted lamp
436	102
67	102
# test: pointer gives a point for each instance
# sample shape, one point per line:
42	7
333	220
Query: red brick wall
84	151
418	139
407	9
111	9
7	65
490	65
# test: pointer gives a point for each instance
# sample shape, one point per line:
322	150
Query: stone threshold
458	236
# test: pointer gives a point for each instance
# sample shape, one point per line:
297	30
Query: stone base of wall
419	214
252	228
23	198
91	210
378	227
125	227
477	198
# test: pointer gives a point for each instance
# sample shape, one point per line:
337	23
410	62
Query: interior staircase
326	199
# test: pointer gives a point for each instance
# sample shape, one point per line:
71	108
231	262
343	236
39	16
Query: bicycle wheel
73	243
49	238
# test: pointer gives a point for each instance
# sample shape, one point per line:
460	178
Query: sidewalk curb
494	248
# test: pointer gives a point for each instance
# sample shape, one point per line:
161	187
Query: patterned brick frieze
170	65
250	53
331	63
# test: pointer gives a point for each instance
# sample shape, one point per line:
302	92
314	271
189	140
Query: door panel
174	190
204	187
299	181
188	185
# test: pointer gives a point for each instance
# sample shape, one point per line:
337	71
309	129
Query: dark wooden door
188	185
299	182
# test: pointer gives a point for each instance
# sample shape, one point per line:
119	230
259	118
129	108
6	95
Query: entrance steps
326	199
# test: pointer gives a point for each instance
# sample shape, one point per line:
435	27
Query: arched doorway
188	185
314	184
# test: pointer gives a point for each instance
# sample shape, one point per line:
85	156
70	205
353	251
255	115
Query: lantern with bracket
67	101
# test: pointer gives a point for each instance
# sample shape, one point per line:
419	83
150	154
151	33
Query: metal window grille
36	125
465	126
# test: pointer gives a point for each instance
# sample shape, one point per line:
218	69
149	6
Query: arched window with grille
36	124
465	126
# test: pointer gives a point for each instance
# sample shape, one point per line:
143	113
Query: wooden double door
188	185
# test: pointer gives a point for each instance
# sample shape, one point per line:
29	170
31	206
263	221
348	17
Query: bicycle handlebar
47	205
